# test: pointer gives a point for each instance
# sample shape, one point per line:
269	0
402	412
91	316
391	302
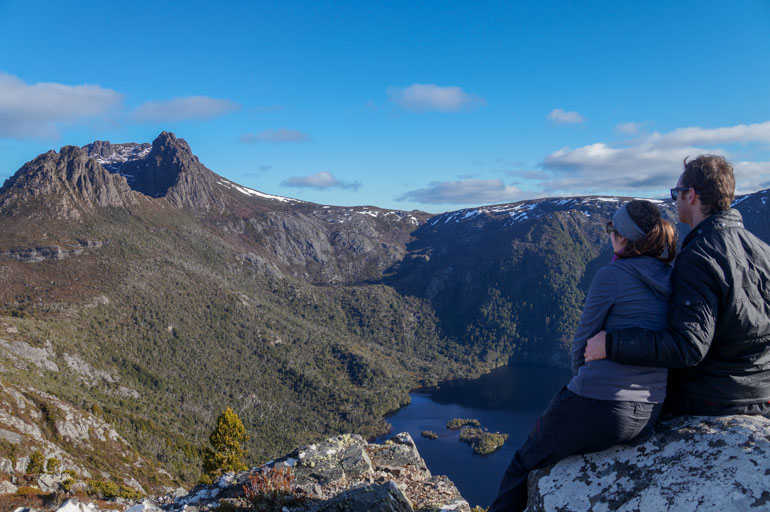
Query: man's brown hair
713	180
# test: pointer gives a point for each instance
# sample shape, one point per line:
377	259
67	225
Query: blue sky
429	105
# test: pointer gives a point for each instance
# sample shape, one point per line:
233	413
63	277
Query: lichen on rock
691	463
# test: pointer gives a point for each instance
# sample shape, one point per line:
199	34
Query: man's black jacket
718	337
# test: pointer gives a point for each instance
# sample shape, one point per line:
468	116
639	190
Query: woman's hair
659	240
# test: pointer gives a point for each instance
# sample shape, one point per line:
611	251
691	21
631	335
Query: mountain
183	293
64	185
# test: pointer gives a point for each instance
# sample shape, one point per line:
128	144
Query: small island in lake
460	422
481	441
429	434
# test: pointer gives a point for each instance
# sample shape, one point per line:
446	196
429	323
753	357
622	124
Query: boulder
336	459
6	466
7	487
11	437
385	497
51	483
74	505
145	506
691	463
398	453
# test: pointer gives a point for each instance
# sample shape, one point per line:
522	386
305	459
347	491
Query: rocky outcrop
691	463
75	447
344	473
50	252
168	169
333	245
68	184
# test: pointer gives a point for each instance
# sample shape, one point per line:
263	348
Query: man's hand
595	347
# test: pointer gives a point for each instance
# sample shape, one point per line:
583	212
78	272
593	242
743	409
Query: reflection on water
507	400
519	387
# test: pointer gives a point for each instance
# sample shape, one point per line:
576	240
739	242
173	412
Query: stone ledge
691	463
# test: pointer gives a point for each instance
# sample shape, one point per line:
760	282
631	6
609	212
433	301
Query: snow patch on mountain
256	193
124	153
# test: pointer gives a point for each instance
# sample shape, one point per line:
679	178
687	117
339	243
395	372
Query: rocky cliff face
64	185
691	463
52	445
166	169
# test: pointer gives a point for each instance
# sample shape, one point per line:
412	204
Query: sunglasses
675	192
610	228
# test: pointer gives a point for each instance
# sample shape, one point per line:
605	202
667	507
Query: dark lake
507	400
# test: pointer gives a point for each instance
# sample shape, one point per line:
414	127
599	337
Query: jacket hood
651	271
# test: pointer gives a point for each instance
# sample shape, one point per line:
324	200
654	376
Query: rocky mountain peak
167	168
67	183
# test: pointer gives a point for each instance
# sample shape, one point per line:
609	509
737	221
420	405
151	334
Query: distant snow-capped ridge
535	208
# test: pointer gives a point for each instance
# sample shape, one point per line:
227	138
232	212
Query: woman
606	403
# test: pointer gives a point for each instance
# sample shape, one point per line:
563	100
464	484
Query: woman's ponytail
659	240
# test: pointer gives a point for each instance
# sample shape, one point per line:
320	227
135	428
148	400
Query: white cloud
560	116
281	135
463	192
653	163
183	109
36	110
629	128
751	176
424	97
759	132
320	181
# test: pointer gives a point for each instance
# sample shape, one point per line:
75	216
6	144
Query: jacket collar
728	218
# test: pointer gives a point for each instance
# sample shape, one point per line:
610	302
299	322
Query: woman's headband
625	225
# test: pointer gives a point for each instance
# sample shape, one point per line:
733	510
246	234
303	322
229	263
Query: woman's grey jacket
631	292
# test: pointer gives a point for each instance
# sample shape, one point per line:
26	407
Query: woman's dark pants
571	425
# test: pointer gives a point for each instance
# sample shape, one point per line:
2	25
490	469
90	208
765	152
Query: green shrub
67	484
429	434
9	450
108	489
36	463
52	466
103	488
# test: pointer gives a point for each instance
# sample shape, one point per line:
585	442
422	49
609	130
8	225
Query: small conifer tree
226	452
36	462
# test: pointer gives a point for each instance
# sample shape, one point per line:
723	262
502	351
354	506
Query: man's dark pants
571	425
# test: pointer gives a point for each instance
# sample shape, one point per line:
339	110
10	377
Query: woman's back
632	292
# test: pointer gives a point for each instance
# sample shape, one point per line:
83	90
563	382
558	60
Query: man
718	338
